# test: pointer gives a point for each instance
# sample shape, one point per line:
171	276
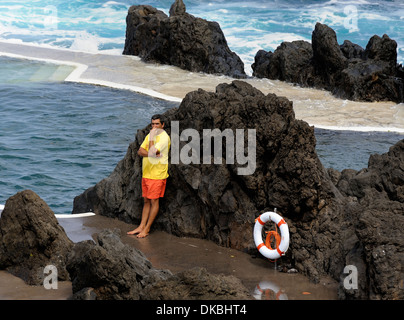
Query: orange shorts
153	188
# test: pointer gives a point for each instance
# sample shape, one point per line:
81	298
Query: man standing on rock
154	151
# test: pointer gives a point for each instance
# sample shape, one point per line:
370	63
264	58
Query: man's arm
153	152
142	152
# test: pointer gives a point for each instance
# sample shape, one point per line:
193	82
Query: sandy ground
166	251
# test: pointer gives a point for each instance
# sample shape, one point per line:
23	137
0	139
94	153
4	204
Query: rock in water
181	40
177	8
290	62
31	238
327	56
348	71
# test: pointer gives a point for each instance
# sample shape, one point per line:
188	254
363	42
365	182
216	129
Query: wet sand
14	288
176	254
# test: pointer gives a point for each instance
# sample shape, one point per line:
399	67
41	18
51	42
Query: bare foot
135	231
143	234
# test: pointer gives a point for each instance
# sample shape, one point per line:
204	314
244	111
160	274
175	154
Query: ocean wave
98	26
83	26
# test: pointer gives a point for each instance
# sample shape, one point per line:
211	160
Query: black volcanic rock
31	239
181	40
215	201
177	8
378	191
336	219
348	71
289	63
328	58
111	270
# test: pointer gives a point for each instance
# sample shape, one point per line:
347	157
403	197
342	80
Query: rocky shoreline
181	40
259	276
336	219
331	214
104	269
348	71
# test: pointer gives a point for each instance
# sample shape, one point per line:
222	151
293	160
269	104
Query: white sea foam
268	42
63	216
80	69
318	107
85	42
361	129
72	216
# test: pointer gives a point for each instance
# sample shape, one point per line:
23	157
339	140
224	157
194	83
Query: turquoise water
92	26
60	138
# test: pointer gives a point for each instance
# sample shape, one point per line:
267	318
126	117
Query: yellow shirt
156	168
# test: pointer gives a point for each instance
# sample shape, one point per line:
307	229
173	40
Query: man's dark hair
158	117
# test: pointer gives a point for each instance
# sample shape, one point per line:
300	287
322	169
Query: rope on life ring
265	248
272	235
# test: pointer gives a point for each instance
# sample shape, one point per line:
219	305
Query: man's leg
145	217
154	209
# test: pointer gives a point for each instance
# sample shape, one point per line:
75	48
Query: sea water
59	138
92	26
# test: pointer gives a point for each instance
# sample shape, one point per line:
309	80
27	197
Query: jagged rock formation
214	201
111	270
181	40
348	71
31	239
331	215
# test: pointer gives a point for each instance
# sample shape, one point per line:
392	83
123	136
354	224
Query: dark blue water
59	138
352	149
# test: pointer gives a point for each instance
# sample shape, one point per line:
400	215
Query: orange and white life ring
284	229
